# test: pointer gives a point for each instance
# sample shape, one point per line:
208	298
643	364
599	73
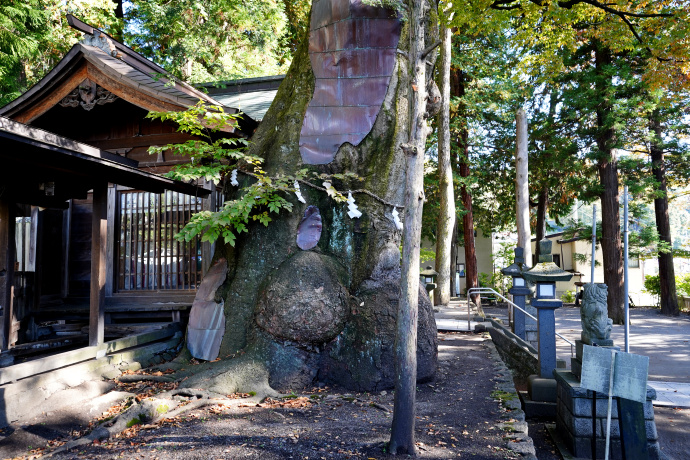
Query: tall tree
34	36
213	40
421	31
446	215
668	297
607	166
22	27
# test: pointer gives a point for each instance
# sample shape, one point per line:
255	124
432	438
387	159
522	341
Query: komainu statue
596	325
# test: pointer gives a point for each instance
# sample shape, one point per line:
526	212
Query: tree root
217	379
132	378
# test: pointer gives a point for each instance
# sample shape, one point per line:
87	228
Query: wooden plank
53	97
135	241
209	204
38	366
47	138
141	141
51	344
160	250
110	262
141	339
66	239
99	234
36	257
7	259
129	94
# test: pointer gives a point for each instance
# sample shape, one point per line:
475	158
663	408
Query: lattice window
149	257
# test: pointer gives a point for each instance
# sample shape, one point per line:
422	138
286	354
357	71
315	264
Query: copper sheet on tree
352	51
207	318
309	229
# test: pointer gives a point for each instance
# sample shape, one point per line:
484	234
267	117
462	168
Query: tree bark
471	273
402	439
454	260
446	215
668	297
607	165
542	207
522	187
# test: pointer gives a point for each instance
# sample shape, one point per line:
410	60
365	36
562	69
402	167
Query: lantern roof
546	270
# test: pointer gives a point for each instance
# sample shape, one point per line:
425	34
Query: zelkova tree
314	295
328	311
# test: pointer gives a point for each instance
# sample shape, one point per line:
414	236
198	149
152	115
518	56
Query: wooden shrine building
86	221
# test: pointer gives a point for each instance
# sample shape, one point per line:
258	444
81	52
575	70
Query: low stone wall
29	397
519	356
514	424
574	419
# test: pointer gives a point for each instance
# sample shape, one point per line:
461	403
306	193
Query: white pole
625	269
594	240
608	413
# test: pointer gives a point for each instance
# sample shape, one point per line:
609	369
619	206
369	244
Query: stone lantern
544	275
519	290
428	277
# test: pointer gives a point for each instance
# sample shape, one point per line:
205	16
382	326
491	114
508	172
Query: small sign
629	375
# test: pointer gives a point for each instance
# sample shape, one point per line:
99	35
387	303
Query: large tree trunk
324	314
446	215
472	277
607	166
471	272
668	297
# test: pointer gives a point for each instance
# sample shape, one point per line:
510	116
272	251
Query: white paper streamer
396	220
332	192
233	178
299	193
353	212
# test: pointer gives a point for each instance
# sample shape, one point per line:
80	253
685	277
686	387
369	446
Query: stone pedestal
547	335
519	318
531	330
576	362
574	419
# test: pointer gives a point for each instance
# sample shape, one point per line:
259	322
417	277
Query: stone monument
596	325
578	409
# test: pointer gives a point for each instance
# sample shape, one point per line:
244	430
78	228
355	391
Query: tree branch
428	50
608	9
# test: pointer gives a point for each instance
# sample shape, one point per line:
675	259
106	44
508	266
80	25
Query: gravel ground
459	415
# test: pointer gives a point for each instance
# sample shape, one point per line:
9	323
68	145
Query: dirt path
459	416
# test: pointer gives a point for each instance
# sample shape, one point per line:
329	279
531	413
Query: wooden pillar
66	240
99	235
110	245
207	249
7	261
36	259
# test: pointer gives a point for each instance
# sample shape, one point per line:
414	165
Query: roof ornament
87	95
100	40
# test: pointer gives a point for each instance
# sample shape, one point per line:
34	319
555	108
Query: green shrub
652	286
683	285
568	296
